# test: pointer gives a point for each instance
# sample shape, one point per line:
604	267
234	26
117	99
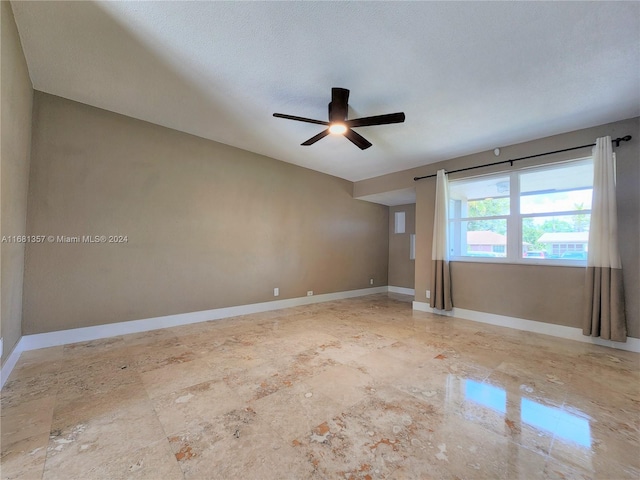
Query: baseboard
569	333
64	337
402	290
85	334
10	362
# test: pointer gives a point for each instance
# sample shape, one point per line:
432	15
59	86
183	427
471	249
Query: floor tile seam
576	468
168	434
339	362
200	427
61	388
146	406
20	405
22	365
6	449
281	389
366	391
71	350
183	431
41	468
49	421
316	374
70	364
47	456
168	365
147	402
225	372
52	414
155	412
16	383
571	463
506	435
285	441
408	365
551	447
531	447
533	377
137	449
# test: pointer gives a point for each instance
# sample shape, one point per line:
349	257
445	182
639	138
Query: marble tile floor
363	388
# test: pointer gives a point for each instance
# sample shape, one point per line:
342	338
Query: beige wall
208	225
541	293
401	267
16	96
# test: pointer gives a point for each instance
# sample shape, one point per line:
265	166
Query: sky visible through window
556	202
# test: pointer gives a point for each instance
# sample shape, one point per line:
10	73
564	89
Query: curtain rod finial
617	141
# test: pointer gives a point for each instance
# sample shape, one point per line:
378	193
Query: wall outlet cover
309	293
276	292
428	293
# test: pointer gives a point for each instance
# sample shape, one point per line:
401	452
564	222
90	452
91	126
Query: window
532	215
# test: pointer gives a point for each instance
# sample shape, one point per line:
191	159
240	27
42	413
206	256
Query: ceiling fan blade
300	119
376	120
314	139
339	106
357	139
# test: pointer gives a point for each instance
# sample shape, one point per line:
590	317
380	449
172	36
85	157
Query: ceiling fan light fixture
338	123
337	128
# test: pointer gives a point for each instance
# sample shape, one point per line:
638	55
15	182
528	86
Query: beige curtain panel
441	275
604	312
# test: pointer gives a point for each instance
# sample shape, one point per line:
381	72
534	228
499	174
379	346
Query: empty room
319	240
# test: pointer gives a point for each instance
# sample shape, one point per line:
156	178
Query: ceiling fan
338	123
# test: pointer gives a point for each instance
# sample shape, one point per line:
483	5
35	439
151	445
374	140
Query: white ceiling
470	76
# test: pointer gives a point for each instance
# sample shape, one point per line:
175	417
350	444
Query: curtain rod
616	141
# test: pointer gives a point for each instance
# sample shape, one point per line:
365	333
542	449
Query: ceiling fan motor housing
338	123
339	105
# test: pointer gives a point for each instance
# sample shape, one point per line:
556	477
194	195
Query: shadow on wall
147	72
208	225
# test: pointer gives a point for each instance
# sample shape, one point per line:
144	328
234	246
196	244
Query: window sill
536	262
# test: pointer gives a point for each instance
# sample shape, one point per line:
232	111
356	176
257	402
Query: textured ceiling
470	76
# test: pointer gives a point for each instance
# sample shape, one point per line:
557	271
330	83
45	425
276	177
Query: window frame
514	219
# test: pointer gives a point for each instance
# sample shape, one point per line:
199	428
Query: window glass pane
488	207
479	197
557	189
563	237
480	238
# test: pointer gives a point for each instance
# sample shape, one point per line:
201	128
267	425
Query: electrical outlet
371	281
309	293
276	292
428	293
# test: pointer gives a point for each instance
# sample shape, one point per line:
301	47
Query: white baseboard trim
570	333
64	337
402	290
85	334
10	362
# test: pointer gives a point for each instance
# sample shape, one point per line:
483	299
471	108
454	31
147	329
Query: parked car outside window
574	255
